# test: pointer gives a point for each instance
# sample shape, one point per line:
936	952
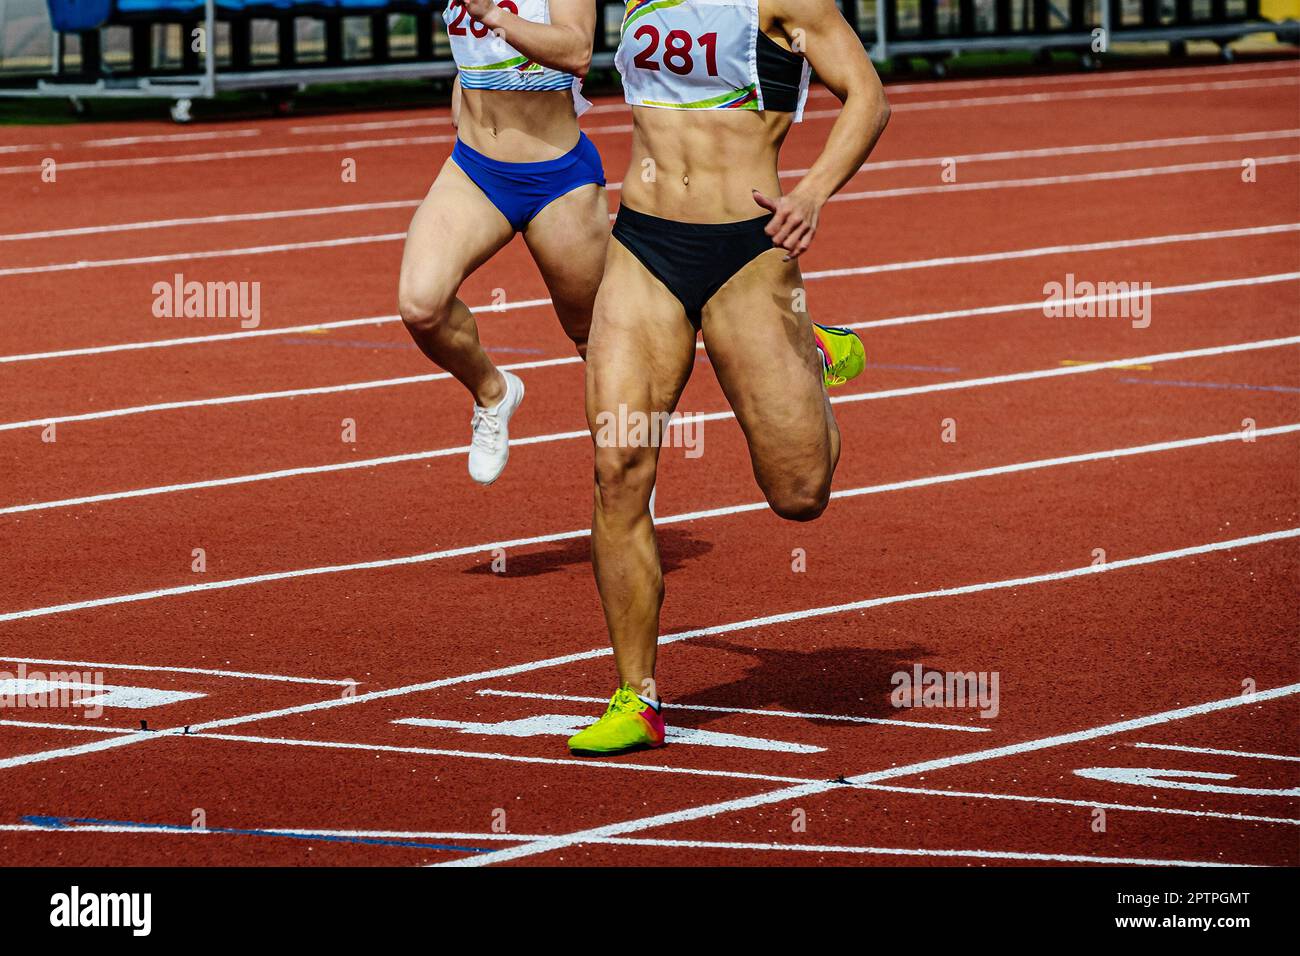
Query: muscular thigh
567	240
454	231
767	363
642	348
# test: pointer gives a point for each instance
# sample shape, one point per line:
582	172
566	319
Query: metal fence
182	56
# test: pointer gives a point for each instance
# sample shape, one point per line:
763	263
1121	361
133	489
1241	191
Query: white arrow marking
1149	777
563	725
14	690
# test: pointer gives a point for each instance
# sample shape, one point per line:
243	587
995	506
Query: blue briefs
522	190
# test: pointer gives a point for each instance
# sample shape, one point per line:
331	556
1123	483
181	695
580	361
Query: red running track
349	682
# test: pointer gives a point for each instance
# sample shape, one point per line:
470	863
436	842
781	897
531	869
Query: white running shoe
652	504
489	449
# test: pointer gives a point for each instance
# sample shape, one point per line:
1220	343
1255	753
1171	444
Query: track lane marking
406	457
89	728
270	396
234	252
1085	804
1061	180
1058	250
889	788
1037	304
1119	76
906	770
677	705
1173	142
817	92
465	550
1216	752
362	835
1162	89
530	303
249	334
752	623
160	669
1248	232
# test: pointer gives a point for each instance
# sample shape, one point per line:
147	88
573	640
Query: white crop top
488	62
706	55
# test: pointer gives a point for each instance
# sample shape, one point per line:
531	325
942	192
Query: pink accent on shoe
655	721
821	351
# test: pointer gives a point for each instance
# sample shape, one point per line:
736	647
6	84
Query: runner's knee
424	306
799	502
624	476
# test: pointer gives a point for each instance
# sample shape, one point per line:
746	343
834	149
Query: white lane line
1063	370
318	128
211	220
489	755
487	859
135	140
160	669
95	746
1104	176
250	333
281	473
1096	78
1086	804
264	152
937	86
431	556
1174	142
578	434
1169	142
299	149
174	830
1035	305
1248	232
905	770
591	654
1161	89
1221	753
892	89
267	396
675	706
204	254
1059	250
92	728
401	236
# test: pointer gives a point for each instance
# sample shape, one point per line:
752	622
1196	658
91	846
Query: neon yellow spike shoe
629	724
843	356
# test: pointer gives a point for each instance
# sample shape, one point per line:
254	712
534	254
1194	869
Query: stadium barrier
187	49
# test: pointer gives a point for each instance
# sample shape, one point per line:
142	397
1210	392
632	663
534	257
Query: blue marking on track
1233	385
64	823
914	368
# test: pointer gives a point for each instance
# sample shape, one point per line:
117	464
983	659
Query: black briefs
692	259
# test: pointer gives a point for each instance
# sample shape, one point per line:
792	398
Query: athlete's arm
836	54
563	44
455	102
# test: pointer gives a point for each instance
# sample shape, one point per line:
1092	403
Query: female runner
520	164
705	241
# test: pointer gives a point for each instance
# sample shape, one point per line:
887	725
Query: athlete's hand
794	221
485	12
